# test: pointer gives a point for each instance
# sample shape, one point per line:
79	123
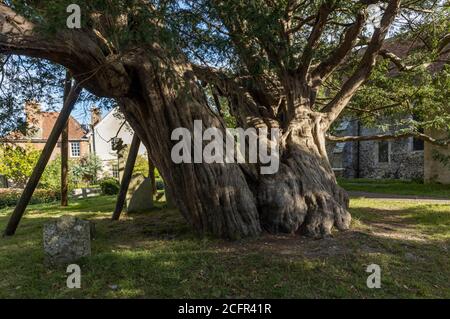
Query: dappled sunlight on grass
157	255
429	220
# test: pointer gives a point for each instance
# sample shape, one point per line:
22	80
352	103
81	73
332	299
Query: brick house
40	125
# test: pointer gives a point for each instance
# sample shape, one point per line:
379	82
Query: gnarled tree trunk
232	200
303	197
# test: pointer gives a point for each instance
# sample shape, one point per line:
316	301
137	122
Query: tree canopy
269	42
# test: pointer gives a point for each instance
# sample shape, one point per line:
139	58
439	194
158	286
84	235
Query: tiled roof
76	132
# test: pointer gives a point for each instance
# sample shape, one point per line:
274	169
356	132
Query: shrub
109	186
10	197
87	168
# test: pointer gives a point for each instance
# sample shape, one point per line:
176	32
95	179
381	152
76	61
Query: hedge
10	197
109	186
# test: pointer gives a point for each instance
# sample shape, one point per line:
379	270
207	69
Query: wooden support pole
43	160
65	150
127	174
151	175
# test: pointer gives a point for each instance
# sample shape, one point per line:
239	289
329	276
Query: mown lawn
398	187
155	255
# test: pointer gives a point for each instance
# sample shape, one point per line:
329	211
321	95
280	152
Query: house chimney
96	116
33	115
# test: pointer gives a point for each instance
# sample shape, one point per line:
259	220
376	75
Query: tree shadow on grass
157	255
431	219
193	268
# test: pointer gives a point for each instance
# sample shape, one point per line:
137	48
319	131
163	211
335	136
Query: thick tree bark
227	200
303	197
214	198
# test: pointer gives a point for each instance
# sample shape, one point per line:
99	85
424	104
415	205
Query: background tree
17	163
51	178
87	168
272	61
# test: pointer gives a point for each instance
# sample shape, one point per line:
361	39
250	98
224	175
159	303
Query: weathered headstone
140	195
66	240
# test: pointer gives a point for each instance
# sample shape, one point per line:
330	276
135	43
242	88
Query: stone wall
404	163
350	161
343	156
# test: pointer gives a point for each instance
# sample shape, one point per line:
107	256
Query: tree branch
243	106
362	73
397	61
379	137
319	25
325	68
78	50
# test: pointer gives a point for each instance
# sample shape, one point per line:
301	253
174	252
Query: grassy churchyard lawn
397	187
156	255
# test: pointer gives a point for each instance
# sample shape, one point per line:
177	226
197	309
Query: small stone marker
139	196
66	240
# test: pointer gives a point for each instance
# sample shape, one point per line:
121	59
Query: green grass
398	187
155	255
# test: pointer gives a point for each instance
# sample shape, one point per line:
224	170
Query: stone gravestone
66	240
139	195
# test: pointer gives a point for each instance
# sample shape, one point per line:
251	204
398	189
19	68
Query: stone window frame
377	153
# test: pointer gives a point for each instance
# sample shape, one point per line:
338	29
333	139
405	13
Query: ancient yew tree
265	64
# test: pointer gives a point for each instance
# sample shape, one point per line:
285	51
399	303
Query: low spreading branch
380	137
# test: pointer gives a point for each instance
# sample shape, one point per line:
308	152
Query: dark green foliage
109	186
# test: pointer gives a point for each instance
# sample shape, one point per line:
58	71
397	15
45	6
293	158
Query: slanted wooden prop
60	123
127	174
71	94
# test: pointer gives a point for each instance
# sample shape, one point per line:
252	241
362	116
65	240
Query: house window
383	152
75	149
115	171
418	144
339	148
